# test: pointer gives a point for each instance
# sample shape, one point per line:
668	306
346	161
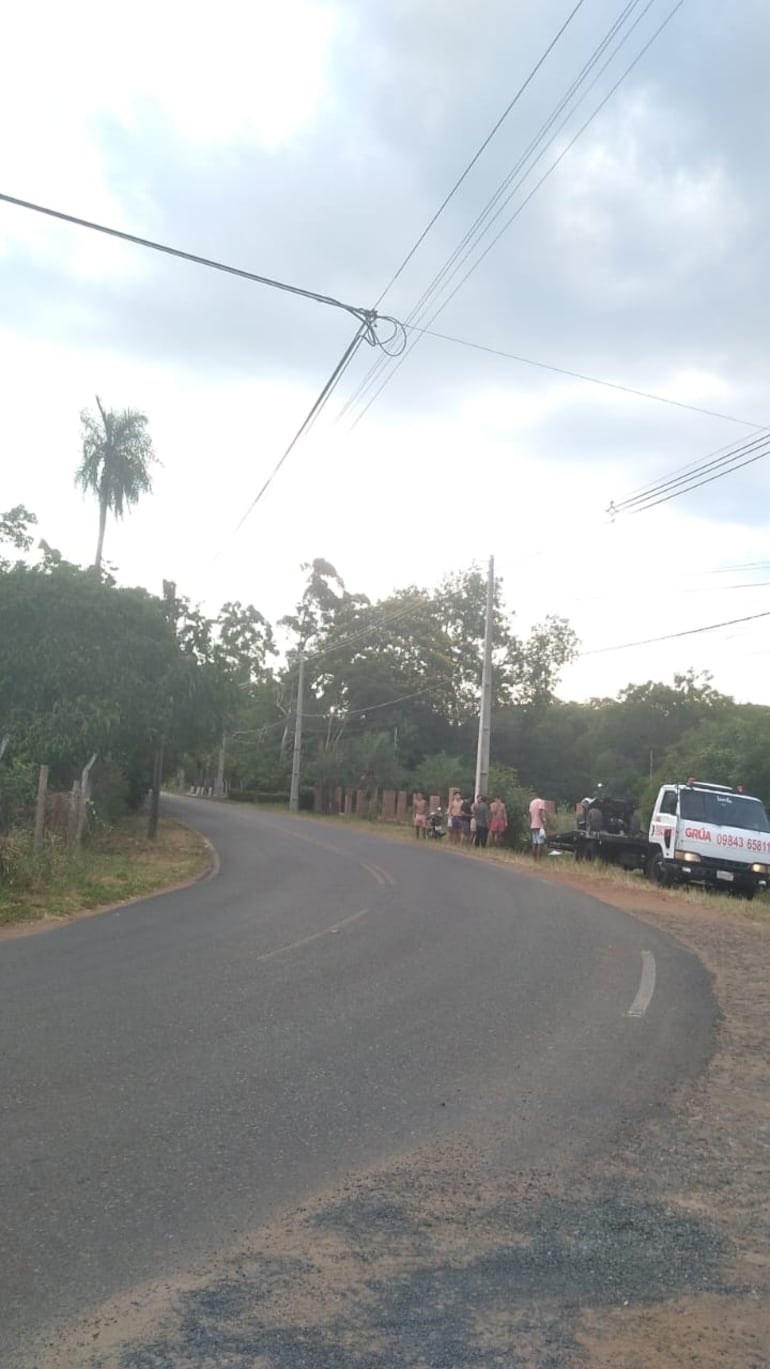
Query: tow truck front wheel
657	871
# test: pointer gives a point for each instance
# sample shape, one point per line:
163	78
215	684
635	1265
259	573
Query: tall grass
22	868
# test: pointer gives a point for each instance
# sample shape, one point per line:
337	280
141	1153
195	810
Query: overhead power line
708	480
579	375
422	303
741	565
366	629
390	703
673	636
308	420
479	229
495	128
367	316
694	477
690	468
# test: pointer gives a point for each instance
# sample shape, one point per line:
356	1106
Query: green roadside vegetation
107	691
116	864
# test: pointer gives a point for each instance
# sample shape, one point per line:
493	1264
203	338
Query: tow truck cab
709	834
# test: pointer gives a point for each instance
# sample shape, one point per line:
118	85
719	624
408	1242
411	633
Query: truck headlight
759	869
689	857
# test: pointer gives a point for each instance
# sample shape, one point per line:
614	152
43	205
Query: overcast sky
312	142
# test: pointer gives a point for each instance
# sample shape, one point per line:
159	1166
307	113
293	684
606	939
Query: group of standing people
474	823
478	822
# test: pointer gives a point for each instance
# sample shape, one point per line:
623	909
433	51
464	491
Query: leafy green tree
548	746
533	665
369	761
93	668
117	456
440	773
14	530
415	657
730	748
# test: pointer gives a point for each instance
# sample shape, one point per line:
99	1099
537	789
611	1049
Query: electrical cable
673	636
578	375
361	712
367	316
698	484
477	229
690	468
715	469
522	88
308	420
419	310
741	565
390	703
699	589
586	124
365	630
376	367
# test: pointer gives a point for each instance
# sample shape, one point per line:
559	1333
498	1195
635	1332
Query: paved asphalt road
175	1072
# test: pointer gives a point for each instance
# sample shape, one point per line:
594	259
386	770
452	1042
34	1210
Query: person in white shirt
537	826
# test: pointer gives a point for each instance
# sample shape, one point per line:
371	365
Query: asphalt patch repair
659	1257
448	1270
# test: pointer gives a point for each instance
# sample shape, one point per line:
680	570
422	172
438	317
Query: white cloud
169	112
253	72
644	176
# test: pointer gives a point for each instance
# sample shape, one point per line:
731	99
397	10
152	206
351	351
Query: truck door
663	825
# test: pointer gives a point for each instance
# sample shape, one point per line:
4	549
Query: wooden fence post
42	790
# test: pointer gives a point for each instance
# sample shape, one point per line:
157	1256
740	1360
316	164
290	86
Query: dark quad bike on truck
708	834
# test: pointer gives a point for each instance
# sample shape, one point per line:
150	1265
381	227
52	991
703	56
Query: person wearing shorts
455	816
420	816
466	814
537	821
498	821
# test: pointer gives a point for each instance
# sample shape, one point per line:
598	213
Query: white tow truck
709	834
699	833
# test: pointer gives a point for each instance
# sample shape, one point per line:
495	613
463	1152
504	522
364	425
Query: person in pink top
537	821
498	821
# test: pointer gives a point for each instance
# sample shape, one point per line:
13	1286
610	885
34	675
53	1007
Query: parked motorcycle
436	824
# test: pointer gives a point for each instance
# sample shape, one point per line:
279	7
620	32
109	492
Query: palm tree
117	456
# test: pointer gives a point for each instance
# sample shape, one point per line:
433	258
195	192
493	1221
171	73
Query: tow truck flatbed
630	852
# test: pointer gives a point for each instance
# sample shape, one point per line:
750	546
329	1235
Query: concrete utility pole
297	757
219	783
157	779
485	711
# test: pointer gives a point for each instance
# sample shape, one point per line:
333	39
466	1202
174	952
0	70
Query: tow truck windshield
724	810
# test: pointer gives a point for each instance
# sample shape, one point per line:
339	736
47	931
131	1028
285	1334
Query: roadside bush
504	784
109	792
18	785
21	867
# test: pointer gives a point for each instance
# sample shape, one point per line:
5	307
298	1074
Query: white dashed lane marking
314	936
646	987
